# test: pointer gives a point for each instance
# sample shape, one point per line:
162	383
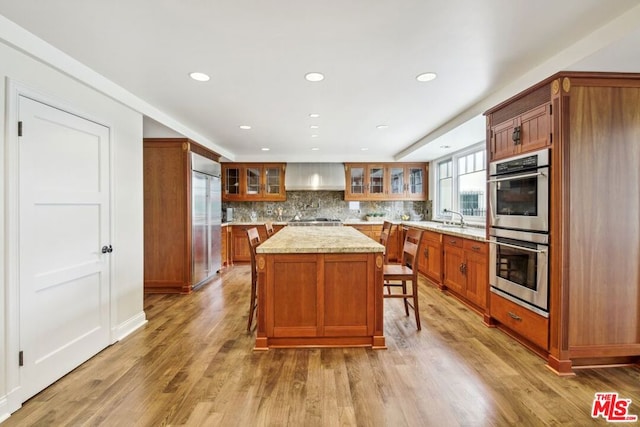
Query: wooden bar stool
269	227
254	241
406	271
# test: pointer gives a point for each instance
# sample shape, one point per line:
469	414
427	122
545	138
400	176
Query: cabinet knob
107	249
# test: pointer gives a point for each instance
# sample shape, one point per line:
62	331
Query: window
461	183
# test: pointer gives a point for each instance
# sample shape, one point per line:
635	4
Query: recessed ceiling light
314	77
201	77
314	115
445	146
382	127
364	149
315	149
314	126
245	127
265	149
314	136
426	77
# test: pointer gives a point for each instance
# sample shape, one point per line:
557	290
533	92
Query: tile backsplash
325	204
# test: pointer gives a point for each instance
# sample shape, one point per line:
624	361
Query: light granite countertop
318	239
468	232
473	233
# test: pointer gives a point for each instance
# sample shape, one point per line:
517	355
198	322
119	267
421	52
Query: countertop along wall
325	204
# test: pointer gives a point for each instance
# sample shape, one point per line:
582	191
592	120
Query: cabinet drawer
475	246
453	241
530	325
431	236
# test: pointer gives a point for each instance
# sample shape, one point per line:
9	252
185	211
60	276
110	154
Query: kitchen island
320	287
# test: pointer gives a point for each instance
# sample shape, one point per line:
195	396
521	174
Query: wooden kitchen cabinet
394	242
594	310
430	260
466	269
407	181
526	323
525	132
365	181
224	246
386	181
240	251
239	245
476	272
244	182
454	278
371	230
168	234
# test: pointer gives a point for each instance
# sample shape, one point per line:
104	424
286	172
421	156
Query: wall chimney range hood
315	177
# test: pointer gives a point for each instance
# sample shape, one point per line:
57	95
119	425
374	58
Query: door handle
515	316
107	249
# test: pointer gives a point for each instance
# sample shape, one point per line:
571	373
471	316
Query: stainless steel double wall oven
519	229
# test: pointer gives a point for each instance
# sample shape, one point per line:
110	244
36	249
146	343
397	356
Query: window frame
455	175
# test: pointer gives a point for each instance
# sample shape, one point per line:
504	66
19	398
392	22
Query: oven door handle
537	251
509	178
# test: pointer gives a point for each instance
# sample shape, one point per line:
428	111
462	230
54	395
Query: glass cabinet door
272	180
253	181
376	180
232	182
416	181
357	184
396	184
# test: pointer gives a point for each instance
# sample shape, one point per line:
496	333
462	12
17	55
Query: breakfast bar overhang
320	287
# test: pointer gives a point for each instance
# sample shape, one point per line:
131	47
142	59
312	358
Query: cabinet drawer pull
453	242
515	317
475	248
426	253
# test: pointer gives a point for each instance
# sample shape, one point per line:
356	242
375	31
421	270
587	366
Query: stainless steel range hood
315	176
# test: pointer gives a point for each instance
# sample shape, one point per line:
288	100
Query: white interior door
64	223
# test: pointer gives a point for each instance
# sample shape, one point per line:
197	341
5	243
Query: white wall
127	209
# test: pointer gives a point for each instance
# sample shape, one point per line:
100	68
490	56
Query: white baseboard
129	326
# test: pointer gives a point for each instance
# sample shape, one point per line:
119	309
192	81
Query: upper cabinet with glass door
407	181
386	181
253	182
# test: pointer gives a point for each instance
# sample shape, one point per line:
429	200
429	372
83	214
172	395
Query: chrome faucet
462	224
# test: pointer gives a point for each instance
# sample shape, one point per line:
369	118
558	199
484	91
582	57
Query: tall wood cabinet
594	279
168	257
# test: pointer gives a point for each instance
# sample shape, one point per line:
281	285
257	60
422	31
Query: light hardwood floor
193	365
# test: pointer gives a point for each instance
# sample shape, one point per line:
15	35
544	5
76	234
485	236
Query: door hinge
19	128
21	358
550	109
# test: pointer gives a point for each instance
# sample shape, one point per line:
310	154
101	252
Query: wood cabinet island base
320	287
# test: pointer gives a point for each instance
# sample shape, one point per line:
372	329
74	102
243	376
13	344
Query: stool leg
252	305
416	308
404	291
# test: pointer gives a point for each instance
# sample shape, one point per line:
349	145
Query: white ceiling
370	51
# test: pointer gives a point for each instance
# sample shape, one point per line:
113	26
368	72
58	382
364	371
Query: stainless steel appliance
206	219
519	192
519	267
